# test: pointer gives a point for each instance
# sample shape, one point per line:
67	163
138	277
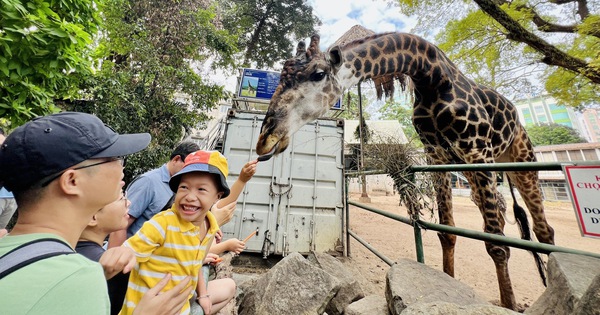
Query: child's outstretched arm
236	189
231	245
203	296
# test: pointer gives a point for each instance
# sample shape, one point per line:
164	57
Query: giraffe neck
394	54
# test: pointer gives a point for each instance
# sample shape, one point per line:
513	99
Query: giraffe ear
335	56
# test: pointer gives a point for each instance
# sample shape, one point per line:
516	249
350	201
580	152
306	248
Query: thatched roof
354	33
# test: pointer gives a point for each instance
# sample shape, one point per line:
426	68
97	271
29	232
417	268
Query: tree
549	134
350	104
266	28
146	80
401	109
43	46
560	39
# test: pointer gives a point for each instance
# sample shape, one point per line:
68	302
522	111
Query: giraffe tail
523	223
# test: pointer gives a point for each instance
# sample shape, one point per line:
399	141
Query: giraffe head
307	88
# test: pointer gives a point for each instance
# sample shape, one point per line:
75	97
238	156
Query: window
575	155
590	155
561	156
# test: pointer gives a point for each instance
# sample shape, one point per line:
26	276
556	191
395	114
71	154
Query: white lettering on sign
584	184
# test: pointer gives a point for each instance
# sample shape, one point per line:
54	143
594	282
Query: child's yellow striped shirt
166	244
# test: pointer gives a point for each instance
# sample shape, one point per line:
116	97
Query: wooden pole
364	197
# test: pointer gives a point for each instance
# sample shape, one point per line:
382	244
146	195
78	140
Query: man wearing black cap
61	169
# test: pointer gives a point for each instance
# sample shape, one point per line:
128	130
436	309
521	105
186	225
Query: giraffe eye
317	76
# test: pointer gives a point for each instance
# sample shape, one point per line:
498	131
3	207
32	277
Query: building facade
539	110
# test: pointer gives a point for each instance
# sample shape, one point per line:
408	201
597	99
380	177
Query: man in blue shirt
150	192
7	201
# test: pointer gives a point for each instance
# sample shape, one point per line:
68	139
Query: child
176	241
112	217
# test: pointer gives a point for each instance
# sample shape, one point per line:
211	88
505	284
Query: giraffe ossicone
457	119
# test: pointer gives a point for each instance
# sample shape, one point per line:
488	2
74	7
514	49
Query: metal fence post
416	228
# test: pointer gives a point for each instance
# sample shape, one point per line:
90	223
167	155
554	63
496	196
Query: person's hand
225	213
117	259
235	245
205	302
210	258
248	171
3	232
155	302
218	236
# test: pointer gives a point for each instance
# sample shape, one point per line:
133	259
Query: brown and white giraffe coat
458	120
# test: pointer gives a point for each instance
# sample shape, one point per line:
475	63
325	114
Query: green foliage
484	50
549	134
146	79
351	108
43	47
401	110
266	28
365	132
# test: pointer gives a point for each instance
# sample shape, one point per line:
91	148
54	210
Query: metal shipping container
296	199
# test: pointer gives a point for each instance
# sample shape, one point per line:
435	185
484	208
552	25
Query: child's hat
204	161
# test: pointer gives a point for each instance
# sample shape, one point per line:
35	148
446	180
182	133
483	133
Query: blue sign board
258	84
261	84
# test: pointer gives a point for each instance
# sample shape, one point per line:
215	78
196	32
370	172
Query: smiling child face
196	193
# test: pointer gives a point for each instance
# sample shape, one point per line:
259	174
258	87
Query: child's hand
157	302
205	302
235	245
218	236
210	259
117	259
225	213
248	171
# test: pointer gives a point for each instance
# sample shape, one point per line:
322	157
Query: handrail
514	166
494	238
213	135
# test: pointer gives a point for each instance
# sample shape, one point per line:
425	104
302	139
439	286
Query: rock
570	277
293	286
370	305
350	289
590	301
445	308
409	282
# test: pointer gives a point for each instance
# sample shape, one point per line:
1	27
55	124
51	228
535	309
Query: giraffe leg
484	194
526	183
444	204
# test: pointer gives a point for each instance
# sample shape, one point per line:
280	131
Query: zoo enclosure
419	224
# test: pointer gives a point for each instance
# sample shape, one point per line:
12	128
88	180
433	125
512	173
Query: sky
338	16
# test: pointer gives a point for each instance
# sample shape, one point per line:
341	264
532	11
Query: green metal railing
418	224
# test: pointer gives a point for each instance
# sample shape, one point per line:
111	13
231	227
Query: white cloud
338	16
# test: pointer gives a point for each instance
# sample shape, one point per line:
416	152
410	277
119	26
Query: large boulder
293	286
350	289
573	286
370	305
445	308
409	282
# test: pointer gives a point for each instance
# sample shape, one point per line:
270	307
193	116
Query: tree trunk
256	34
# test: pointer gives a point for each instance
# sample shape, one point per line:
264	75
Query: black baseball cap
51	144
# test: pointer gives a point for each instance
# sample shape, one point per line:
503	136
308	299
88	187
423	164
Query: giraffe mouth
268	155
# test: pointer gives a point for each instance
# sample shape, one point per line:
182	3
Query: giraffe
458	121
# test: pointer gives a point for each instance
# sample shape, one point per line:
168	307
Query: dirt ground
473	266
